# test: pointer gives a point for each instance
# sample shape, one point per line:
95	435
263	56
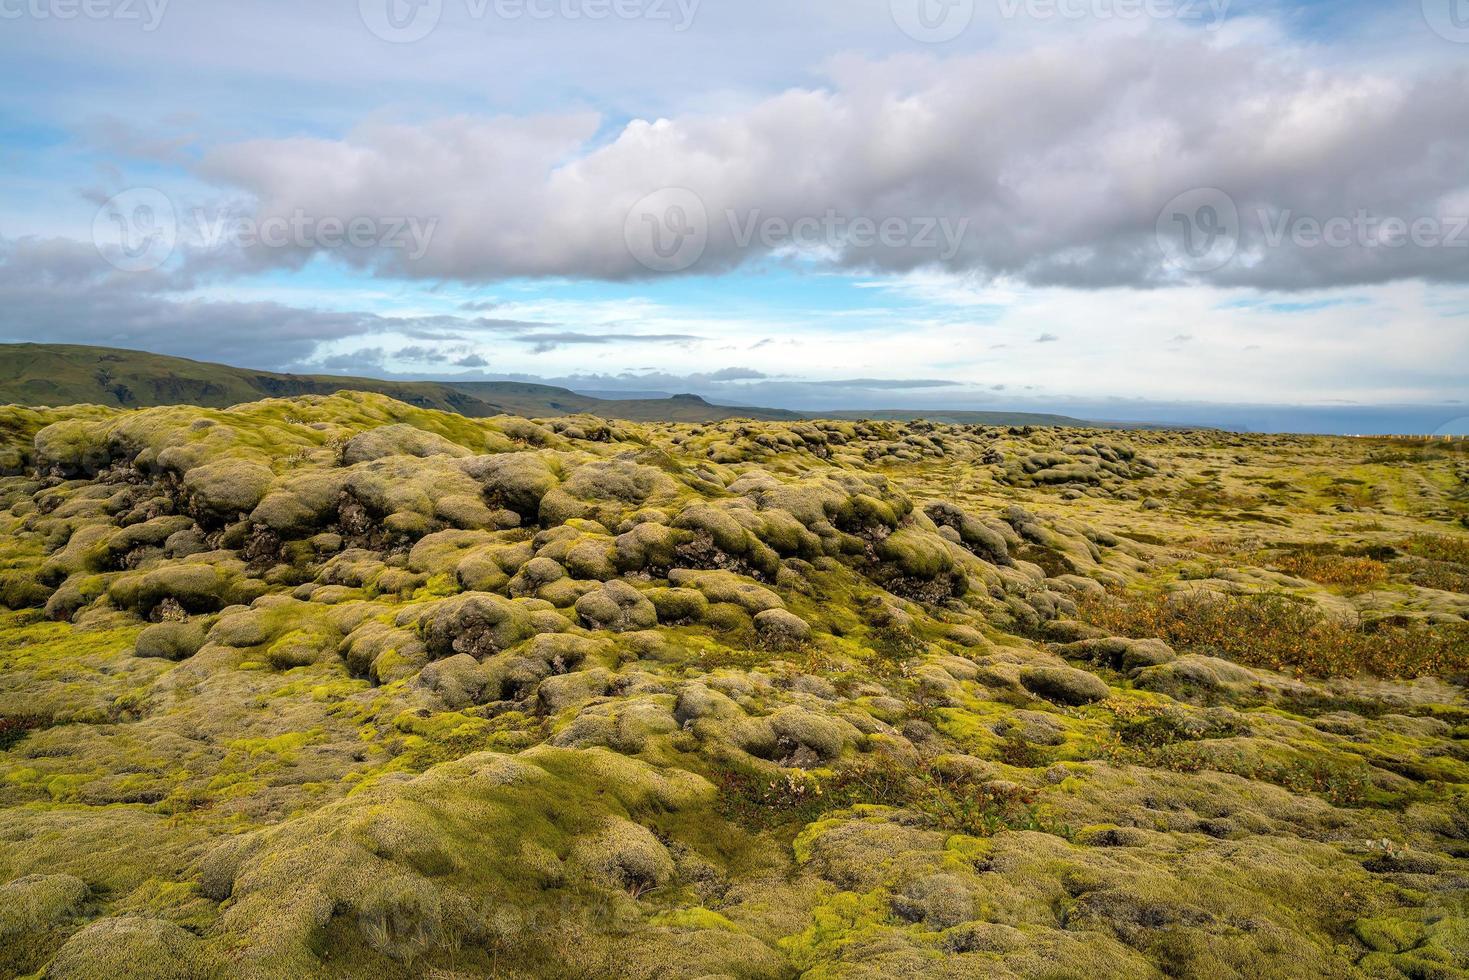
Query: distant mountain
615	395
541	401
957	418
56	374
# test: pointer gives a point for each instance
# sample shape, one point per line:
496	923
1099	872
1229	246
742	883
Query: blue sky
1038	164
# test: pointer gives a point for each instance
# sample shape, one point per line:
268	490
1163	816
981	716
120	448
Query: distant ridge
958	418
65	374
55	374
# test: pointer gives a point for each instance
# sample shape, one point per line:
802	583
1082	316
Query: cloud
366	359
735	374
883	384
542	342
60	291
1060	158
428	355
57	290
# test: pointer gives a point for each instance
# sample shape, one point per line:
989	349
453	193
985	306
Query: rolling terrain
339	686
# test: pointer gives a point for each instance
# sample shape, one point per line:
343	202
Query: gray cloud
736	374
1062	175
428	355
368	359
542	342
60	291
883	384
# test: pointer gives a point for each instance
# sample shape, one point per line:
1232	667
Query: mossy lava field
338	687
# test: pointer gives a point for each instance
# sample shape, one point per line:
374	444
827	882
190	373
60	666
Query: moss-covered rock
37	902
173	640
617	606
478	624
1064	685
782	630
398	440
229	487
623	855
132	946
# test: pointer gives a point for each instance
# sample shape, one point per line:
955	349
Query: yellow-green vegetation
341	686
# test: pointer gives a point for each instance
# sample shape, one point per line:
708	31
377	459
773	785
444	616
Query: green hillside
54	375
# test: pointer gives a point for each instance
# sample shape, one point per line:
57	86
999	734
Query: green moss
693	918
681	700
1389	935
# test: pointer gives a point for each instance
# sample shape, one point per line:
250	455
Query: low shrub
956	803
1282	632
1350	574
13	728
1439	547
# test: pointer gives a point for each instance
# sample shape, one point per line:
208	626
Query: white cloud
1060	157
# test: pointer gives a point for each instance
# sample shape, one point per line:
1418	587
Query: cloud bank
1061	159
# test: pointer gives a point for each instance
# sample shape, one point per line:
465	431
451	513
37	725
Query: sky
1251	213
